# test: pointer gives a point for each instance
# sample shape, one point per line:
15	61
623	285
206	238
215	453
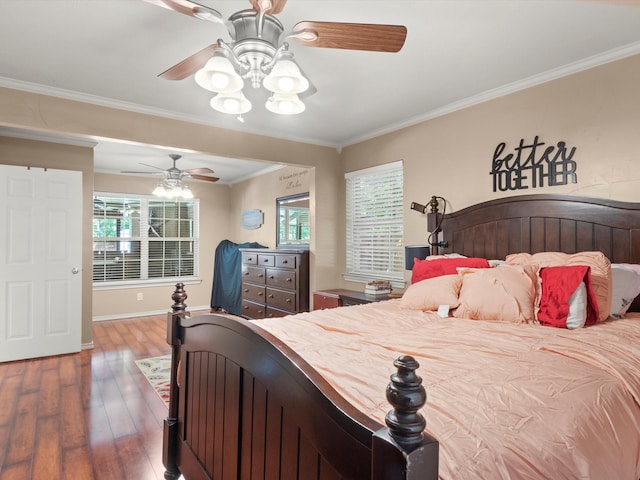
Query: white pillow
625	287
578	307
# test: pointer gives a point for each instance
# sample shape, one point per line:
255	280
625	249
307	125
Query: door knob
75	270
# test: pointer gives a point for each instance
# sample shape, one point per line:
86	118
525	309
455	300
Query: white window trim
144	236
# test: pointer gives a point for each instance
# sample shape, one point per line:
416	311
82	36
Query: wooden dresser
275	283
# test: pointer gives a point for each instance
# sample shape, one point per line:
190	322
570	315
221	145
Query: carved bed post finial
406	395
433	203
403	450
178	297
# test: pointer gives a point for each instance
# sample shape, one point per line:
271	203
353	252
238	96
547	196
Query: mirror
292	222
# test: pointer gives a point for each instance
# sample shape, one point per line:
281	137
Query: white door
40	261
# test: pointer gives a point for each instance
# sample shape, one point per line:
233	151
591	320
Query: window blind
144	239
375	222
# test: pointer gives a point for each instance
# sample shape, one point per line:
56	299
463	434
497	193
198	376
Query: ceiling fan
173	176
256	53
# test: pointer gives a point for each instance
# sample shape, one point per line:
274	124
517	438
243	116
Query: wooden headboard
545	222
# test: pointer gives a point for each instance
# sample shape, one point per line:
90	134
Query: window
144	239
375	224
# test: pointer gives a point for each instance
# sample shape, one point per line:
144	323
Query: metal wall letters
516	171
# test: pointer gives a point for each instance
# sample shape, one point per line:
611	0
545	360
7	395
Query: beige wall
215	226
597	111
43	116
261	193
15	151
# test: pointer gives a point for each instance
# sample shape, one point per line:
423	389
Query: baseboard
122	316
87	346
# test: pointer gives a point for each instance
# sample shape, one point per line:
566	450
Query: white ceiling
457	53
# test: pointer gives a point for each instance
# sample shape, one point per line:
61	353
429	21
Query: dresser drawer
249	258
286	261
281	278
274	312
265	260
253	292
281	299
322	300
253	274
253	310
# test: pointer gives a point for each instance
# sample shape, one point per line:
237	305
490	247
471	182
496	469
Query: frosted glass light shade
233	103
218	75
285	77
285	104
186	192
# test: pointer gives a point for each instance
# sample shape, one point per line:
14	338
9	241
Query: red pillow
558	284
423	269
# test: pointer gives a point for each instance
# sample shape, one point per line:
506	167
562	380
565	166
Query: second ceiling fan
258	54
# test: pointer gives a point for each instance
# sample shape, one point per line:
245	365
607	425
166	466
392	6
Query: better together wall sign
533	165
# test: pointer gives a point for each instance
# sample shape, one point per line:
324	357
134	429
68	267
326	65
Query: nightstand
340	297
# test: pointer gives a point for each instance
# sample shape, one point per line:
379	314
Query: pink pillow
423	269
600	271
559	284
505	293
429	294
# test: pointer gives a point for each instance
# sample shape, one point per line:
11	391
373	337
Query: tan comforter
505	401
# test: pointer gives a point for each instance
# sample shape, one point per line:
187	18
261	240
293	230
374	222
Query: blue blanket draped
226	292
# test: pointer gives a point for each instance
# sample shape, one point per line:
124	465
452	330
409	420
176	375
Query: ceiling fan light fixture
285	104
285	77
186	192
218	75
233	103
159	191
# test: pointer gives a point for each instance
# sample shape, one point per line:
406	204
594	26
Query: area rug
157	370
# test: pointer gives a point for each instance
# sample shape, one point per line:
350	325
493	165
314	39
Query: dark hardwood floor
85	416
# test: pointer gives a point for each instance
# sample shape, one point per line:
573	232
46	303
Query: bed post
170	428
403	451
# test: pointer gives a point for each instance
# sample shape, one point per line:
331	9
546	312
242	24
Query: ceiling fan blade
351	36
189	65
142	173
202	177
152	166
204	170
276	6
193	9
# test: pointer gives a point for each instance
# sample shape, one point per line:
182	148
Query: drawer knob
245	290
289	279
285	261
271	277
260	294
288	300
245	307
260	275
270	295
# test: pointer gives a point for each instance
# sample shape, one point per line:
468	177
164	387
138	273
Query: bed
384	391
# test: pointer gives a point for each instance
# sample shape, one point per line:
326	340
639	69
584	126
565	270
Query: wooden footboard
245	406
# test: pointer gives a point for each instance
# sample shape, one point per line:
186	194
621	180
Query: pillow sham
625	287
423	269
505	293
564	303
430	293
446	255
600	271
